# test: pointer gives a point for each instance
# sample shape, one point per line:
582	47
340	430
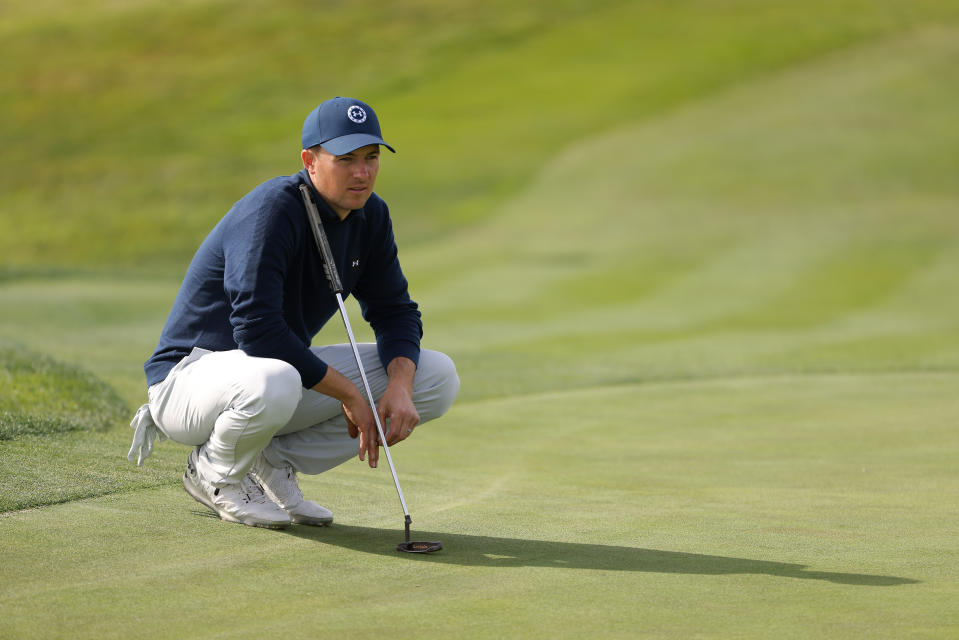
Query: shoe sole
200	497
313	522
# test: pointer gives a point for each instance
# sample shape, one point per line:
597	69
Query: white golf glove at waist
145	431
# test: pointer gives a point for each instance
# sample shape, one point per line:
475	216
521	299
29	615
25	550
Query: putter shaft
376	416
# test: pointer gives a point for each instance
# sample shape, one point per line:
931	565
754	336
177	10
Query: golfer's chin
355	199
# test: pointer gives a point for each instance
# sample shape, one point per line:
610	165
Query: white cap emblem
356	114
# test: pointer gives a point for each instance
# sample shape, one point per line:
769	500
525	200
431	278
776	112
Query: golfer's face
346	181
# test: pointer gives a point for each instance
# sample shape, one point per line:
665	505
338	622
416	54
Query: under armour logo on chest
356	262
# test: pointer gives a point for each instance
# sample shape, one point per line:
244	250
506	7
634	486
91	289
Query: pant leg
316	438
230	403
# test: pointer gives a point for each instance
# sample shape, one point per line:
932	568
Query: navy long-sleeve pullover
257	283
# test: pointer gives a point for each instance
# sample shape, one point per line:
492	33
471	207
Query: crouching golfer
234	375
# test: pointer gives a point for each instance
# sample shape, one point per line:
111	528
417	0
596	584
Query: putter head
420	546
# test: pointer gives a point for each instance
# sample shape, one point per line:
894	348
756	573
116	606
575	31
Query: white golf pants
237	406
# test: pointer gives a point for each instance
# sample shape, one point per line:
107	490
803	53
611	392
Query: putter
333	276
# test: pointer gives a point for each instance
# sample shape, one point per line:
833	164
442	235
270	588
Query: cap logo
356	114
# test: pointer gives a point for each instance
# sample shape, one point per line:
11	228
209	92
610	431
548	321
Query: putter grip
321	242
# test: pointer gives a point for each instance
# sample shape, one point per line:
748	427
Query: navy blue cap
342	125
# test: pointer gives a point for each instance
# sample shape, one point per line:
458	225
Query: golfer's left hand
397	406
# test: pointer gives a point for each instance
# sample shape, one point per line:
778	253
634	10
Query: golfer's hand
359	416
360	422
397	406
397	402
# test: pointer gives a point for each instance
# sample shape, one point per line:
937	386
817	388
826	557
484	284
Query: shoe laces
252	491
284	483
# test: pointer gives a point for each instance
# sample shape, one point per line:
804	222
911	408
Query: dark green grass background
696	262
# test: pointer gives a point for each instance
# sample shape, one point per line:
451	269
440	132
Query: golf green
792	506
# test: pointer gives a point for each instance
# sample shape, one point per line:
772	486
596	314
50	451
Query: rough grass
44	470
151	122
52	422
44	397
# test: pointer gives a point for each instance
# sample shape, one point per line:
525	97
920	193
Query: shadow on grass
486	551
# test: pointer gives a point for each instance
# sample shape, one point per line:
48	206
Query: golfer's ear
308	159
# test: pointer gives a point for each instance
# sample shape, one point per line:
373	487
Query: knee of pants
441	384
272	391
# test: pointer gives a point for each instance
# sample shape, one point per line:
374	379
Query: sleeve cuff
312	372
400	348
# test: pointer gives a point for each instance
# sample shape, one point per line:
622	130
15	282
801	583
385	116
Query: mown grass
151	122
706	342
713	241
805	506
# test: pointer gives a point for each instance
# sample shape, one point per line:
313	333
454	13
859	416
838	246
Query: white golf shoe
244	503
281	486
